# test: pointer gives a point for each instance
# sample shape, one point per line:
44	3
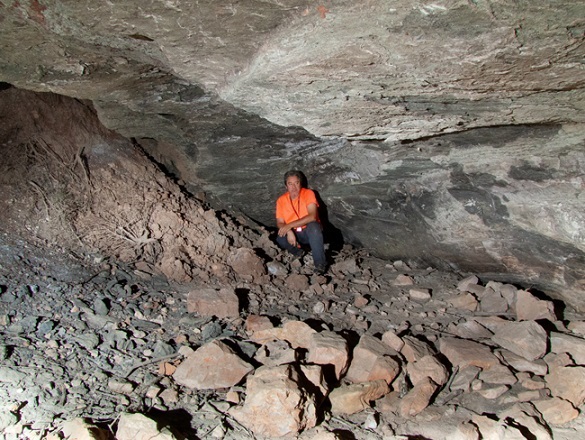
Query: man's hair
295	173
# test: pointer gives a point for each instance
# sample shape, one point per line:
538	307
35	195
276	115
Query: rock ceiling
448	133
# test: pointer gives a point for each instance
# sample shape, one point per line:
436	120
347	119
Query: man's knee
314	228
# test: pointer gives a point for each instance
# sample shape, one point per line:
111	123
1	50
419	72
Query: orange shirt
291	210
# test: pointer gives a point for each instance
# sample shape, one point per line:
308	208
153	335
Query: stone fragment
420	295
212	366
498	374
255	323
573	345
169	396
556	411
470	329
314	374
353	398
526	416
244	261
418	398
392	340
297	282
465	283
389	403
329	349
277	404
120	386
558	360
531	383
297	333
427	366
275	353
464	378
527	339
465	431
492	323
577	327
276	268
530	308
223	303
403	280
463	352
79	429
371	361
492	302
465	301
415	349
567	383
140	427
495	429
492	392
519	363
508	291
346	266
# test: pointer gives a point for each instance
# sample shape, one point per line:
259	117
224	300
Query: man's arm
284	228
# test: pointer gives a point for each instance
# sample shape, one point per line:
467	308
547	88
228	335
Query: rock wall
446	133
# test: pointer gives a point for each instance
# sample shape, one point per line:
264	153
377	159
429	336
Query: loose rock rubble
185	322
133	356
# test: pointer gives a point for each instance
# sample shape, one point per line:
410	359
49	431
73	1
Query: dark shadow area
331	234
243	297
178	421
343	434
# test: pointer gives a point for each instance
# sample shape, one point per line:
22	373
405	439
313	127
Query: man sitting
298	222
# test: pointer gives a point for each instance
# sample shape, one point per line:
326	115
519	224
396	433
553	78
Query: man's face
293	185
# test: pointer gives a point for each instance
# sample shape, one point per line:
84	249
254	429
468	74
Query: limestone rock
275	353
329	349
530	308
223	303
214	365
244	261
556	411
277	403
255	323
465	301
427	366
371	361
463	353
391	339
140	427
415	348
353	398
418	398
526	339
567	383
80	429
573	345
520	363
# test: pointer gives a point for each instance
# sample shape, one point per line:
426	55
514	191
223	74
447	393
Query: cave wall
447	133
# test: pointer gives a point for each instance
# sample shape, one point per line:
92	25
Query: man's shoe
298	253
320	269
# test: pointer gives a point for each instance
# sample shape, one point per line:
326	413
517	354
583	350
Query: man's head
293	180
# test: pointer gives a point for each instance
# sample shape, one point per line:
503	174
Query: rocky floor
83	338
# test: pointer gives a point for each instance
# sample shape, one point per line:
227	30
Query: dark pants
311	235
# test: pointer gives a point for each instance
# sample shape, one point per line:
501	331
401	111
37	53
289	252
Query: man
298	222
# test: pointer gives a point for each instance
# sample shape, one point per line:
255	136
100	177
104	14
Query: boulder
223	303
527	339
212	366
353	398
277	403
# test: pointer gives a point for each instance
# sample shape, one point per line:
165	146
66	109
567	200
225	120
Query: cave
143	150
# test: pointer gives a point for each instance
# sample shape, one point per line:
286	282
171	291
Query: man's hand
291	238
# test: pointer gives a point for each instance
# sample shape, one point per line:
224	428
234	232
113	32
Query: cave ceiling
447	133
